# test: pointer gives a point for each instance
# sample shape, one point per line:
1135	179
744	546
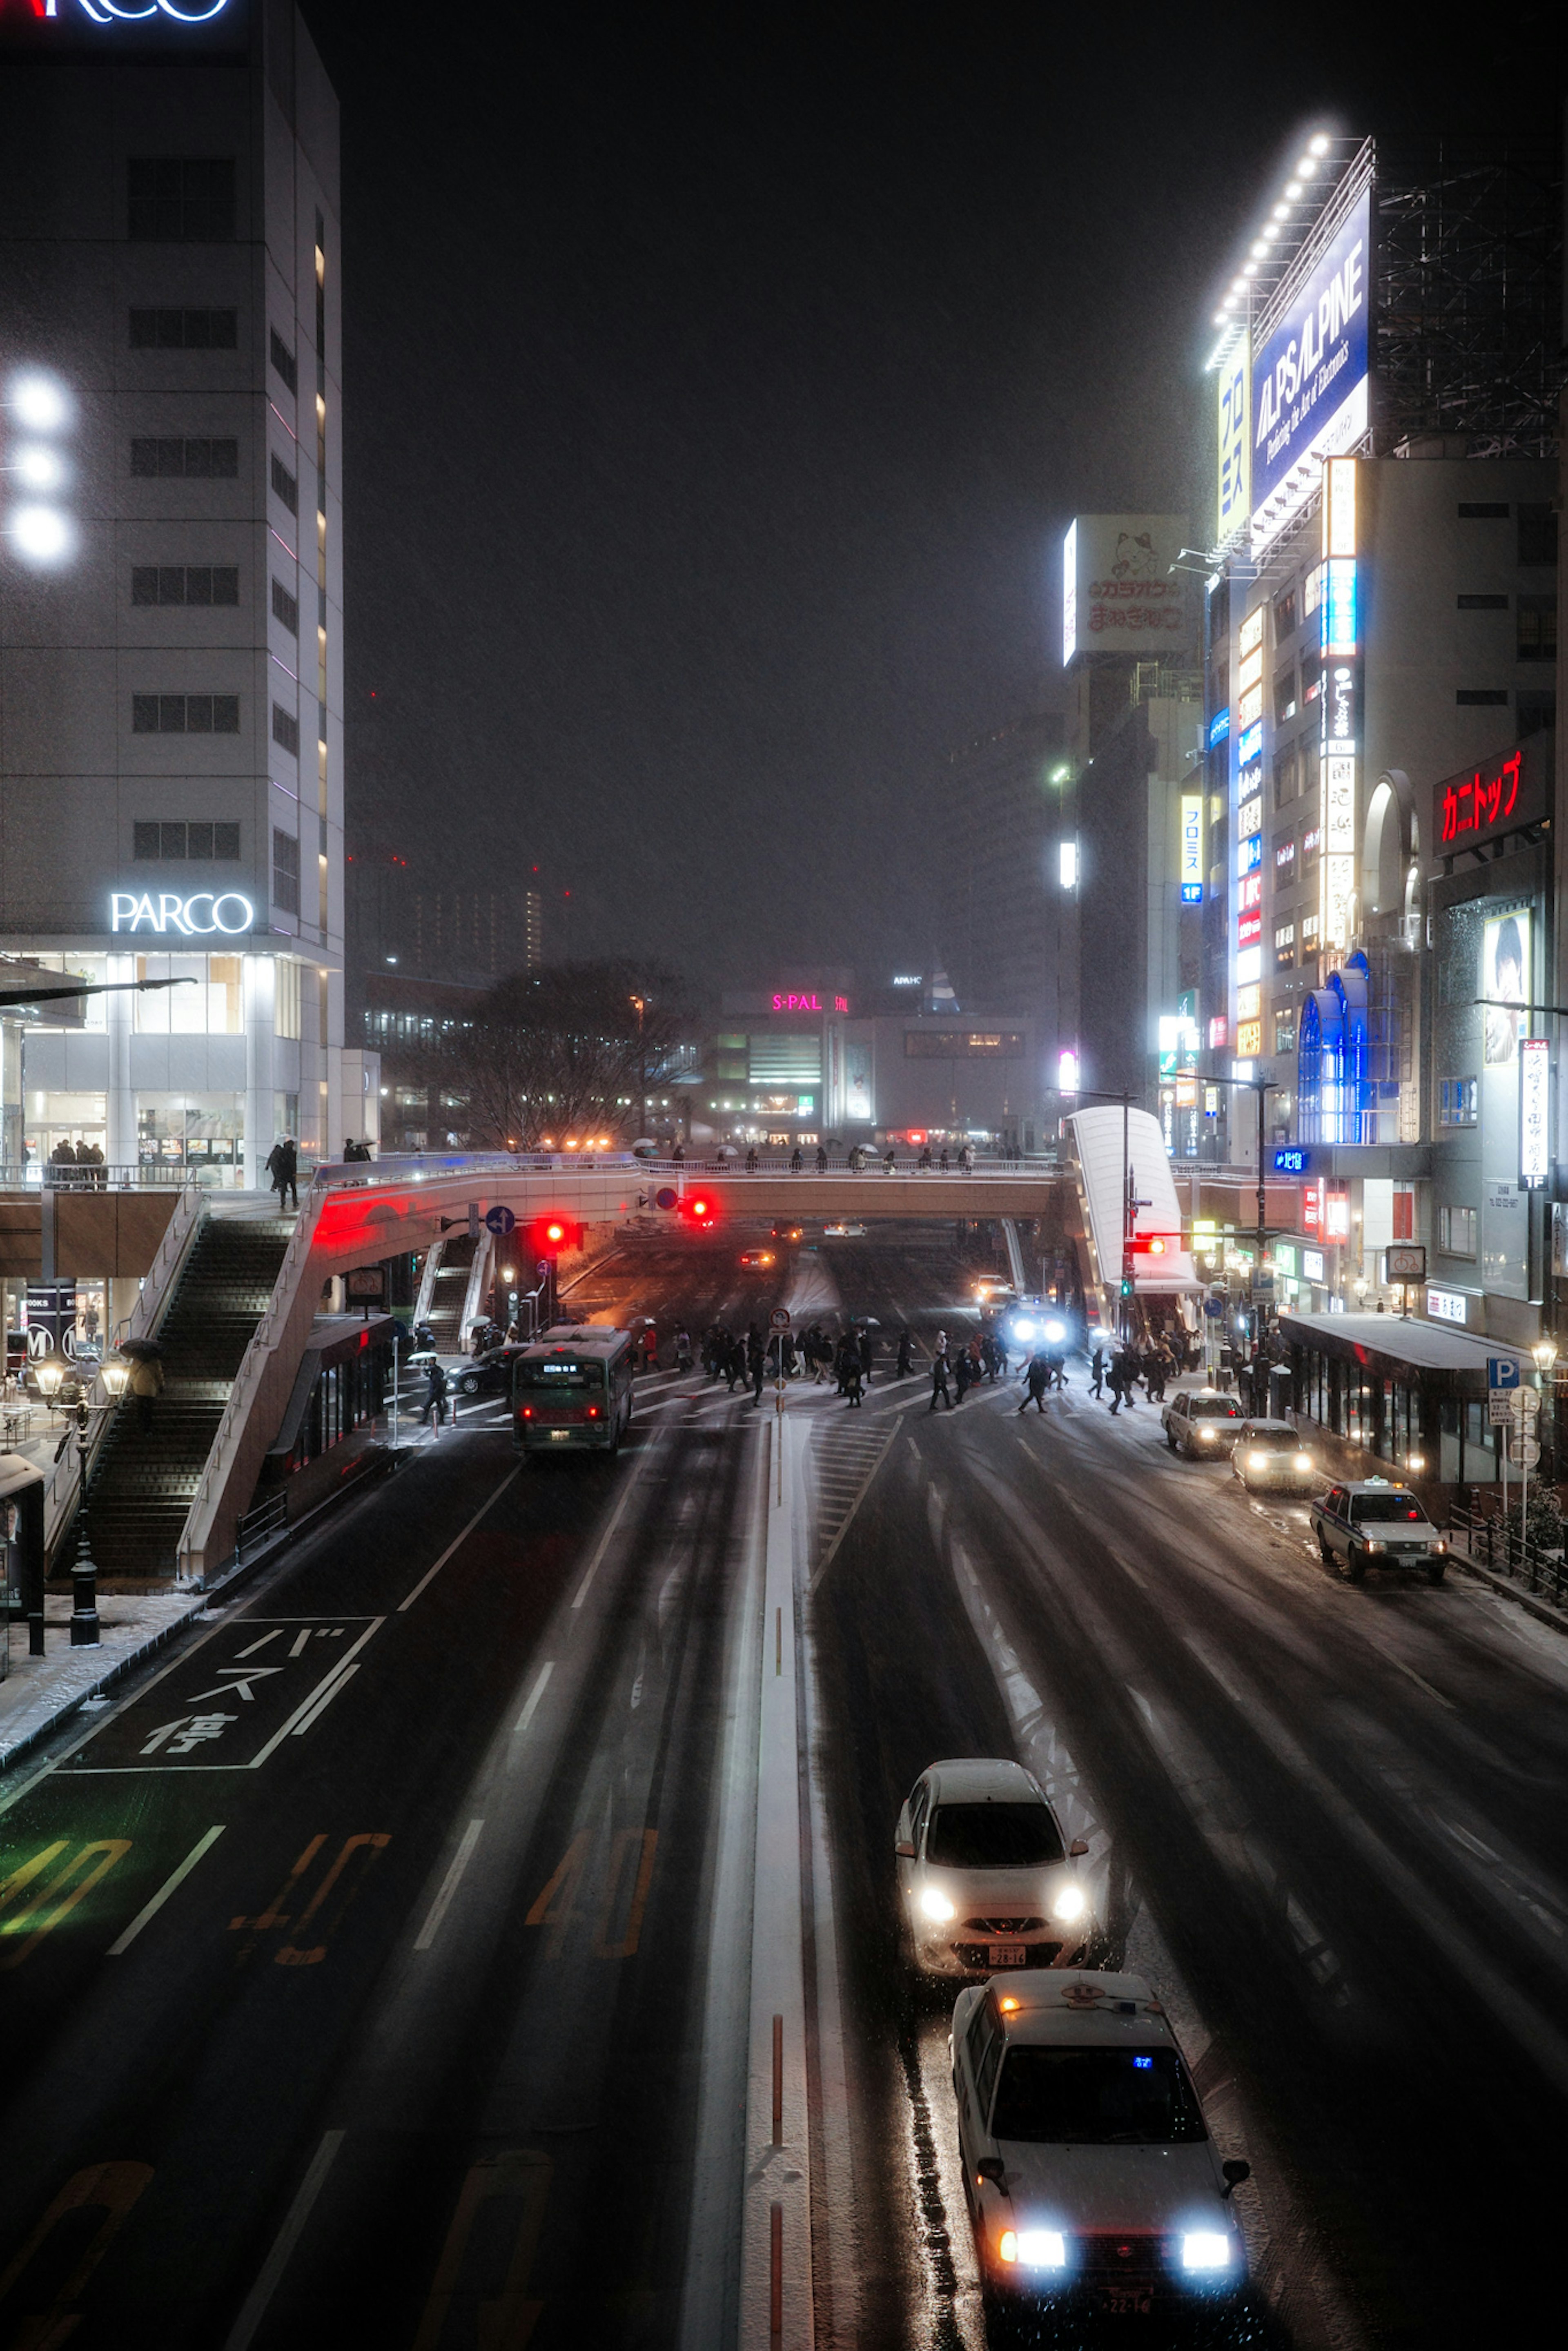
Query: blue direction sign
665	1196
1213	1306
1502	1372
500	1220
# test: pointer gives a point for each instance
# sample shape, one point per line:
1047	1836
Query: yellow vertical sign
1234	416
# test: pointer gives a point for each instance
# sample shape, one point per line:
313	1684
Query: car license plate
1008	1955
560	1436
1127	2301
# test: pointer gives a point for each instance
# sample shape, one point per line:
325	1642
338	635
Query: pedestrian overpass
360	1214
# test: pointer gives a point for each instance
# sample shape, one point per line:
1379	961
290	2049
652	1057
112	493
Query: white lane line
171	1884
431	1573
262	1643
324	1700
449	1885
520	1728
288	2236
603	1545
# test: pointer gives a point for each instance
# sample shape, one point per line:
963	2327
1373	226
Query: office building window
1536	707
182	199
285	607
184	713
1285	1029
1480	696
1285	696
1311	676
1286	618
184	330
194	460
284	486
1457	1230
201	840
948	1044
285	1000
1284	951
1538	534
1284	778
184	583
1537	628
1482	603
1457	1102
285	872
286	729
1309	934
1311	843
284	361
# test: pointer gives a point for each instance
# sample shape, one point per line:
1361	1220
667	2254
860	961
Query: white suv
985	1879
1091	2177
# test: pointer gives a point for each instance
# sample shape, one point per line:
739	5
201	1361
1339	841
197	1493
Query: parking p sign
1502	1372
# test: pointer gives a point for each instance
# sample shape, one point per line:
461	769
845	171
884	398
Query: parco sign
133	12
194	917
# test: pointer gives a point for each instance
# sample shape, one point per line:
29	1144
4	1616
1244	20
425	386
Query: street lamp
50	1374
1545	1354
84	1571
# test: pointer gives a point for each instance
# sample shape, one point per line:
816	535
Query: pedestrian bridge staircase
142	1485
449	1290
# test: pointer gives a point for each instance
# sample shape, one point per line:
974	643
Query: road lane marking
530	1704
108	1849
171	1884
626	1842
431	1573
323	1700
370	1842
603	1545
110	2189
255	2310
510	2317
272	1637
449	1885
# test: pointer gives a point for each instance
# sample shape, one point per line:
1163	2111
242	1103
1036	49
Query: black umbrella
137	1349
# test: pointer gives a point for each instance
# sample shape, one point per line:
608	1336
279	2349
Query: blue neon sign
1337	614
1192	894
1219	727
1292	1162
1250	746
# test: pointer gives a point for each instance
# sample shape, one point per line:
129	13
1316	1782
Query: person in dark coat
435	1397
867	1353
1037	1370
852	1386
755	1363
939	1372
283	1170
1097	1373
905	1357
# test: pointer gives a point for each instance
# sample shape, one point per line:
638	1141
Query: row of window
180	199
166	841
206	713
204	330
204	583
1458	1231
204	459
1536	527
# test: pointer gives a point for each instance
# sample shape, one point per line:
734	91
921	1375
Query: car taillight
593	1412
527	1411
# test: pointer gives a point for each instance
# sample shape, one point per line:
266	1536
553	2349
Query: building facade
172	601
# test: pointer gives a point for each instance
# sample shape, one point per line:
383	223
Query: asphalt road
356	1958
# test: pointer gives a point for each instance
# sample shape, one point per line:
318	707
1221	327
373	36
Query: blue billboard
1308	378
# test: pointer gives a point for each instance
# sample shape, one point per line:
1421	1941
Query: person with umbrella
146	1380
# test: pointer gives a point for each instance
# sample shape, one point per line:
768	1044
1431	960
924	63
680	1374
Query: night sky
717	391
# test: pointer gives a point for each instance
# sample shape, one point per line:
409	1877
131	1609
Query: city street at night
363	1955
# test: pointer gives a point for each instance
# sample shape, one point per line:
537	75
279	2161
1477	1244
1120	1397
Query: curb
124	1663
1542	1610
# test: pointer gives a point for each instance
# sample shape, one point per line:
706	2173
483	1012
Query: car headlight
1303	1460
1374	1546
1069	1904
1023	1330
1437	1546
1056	1333
937	1905
1042	2249
1204	1432
1204	2248
1257	1461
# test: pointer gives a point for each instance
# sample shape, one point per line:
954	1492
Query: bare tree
564	1053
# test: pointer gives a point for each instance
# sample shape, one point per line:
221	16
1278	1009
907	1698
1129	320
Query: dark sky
717	391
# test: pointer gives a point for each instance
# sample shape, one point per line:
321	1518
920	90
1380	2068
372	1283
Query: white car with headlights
985	1878
1091	2177
1202	1423
1271	1459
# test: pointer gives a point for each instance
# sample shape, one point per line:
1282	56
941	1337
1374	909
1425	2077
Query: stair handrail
478	1284
427	1273
275	1317
62	1494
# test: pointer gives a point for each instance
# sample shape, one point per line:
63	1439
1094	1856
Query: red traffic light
698	1209
548	1236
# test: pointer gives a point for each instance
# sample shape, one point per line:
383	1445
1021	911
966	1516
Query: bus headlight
1204	2248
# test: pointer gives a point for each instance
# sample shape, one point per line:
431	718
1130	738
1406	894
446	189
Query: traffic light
1126	1285
548	1236
699	1211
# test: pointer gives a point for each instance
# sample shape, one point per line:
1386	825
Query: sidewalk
38	1693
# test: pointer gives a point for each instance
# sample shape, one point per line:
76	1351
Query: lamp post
51	1373
1545	1354
84	1572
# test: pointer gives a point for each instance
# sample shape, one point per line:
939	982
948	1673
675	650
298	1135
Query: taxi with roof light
1091	2179
986	1879
1372	1523
1202	1423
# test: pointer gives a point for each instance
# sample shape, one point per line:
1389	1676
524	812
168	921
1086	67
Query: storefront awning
1423	1353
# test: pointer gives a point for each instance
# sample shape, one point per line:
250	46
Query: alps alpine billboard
1309	375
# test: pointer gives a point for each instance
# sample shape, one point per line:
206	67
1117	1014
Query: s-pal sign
133	12
784	1001
195	917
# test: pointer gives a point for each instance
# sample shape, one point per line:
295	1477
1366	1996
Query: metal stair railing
1492	1542
282	1310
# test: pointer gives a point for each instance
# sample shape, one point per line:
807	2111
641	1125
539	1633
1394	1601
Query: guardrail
409	1167
55	1175
1490	1541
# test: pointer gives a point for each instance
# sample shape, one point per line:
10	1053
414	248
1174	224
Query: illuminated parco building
171	580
